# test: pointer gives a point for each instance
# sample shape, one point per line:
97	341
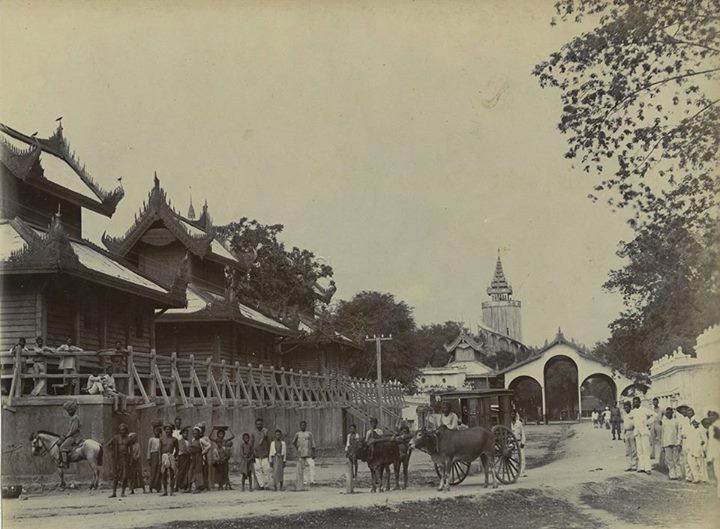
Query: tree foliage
371	313
670	288
429	342
280	278
640	110
638	101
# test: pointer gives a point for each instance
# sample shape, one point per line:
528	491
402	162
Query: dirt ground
575	478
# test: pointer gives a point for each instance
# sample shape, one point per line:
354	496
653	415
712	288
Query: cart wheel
507	455
458	472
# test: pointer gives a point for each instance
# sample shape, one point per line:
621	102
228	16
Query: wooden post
192	378
153	366
130	366
17	382
349	488
208	374
300	478
173	370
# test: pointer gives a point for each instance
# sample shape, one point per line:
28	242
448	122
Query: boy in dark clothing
247	461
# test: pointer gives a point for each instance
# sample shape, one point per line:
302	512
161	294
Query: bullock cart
489	408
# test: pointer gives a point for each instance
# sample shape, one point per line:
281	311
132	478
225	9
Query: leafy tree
637	101
280	278
640	110
500	359
371	313
429	341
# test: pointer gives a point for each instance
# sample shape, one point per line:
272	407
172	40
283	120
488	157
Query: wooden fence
149	379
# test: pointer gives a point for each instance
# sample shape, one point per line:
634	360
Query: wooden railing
150	379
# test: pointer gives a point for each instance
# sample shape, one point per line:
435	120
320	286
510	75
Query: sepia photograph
289	264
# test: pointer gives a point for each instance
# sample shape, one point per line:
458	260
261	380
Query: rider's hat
70	405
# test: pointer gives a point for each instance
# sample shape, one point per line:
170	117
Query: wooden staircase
363	405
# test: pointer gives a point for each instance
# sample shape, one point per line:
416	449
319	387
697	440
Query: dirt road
583	485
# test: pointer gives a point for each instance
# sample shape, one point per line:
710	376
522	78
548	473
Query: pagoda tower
502	313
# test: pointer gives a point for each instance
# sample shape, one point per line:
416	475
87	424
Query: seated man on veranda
94	383
109	390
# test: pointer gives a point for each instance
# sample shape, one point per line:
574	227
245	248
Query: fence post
192	378
153	383
208	375
349	489
223	373
17	378
173	370
130	366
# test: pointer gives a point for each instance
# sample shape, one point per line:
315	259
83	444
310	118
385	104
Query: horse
43	442
447	446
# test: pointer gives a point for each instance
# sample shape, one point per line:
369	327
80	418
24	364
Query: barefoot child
168	452
153	457
182	481
278	454
247	458
120	458
135	477
196	479
222	460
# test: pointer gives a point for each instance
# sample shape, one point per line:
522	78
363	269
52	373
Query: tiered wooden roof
499	286
198	236
60	172
206	305
25	249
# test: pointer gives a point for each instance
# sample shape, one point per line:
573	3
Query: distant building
502	313
500	331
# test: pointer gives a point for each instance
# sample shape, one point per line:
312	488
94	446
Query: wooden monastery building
55	284
215	323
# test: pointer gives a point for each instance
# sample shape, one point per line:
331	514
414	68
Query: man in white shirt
518	431
642	419
374	431
670	442
628	429
449	418
177	431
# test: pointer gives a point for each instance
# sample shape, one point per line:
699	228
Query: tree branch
656	83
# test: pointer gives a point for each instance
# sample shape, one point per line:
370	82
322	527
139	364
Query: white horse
89	450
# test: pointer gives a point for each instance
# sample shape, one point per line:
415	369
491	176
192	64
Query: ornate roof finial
191	209
59	122
499	289
156	181
559	335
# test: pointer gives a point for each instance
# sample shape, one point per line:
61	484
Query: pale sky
405	142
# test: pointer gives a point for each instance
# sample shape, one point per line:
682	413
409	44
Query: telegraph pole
378	351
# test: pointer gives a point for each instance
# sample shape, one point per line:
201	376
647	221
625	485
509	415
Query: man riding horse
72	437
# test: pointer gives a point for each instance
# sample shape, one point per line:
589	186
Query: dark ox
385	452
448	446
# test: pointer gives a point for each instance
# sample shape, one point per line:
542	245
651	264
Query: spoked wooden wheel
458	472
507	455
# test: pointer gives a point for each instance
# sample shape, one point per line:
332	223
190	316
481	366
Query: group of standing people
188	459
676	438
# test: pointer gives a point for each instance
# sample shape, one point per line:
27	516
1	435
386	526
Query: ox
448	446
383	453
